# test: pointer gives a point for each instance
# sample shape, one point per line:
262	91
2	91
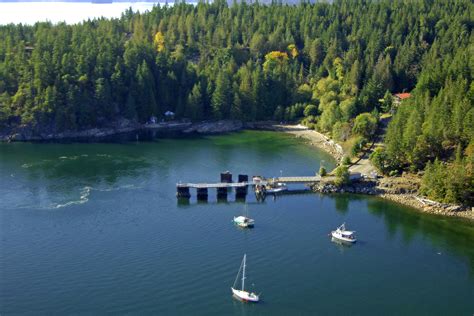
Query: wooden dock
214	185
183	189
304	180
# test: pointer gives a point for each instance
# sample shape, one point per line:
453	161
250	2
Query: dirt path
363	165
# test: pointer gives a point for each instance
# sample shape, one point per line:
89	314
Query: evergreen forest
333	66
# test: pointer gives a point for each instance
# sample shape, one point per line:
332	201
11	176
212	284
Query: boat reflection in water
341	243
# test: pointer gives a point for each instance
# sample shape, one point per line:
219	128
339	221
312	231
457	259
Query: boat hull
245	296
277	190
338	237
243	225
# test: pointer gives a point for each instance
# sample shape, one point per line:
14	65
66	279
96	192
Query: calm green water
96	228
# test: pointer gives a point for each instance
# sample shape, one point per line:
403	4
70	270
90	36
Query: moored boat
244	222
276	188
241	294
344	235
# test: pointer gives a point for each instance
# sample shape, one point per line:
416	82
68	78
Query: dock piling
182	191
222	192
226	177
202	193
242	191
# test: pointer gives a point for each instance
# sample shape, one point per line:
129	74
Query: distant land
84	1
69	12
148	1
30	12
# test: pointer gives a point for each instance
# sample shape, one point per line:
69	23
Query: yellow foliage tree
159	41
293	51
275	59
339	68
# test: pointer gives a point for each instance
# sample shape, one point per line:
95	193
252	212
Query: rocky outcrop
217	127
262	125
406	184
360	187
391	189
26	133
439	208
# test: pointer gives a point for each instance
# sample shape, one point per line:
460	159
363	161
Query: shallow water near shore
96	228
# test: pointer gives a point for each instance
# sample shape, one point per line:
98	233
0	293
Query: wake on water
86	191
60	159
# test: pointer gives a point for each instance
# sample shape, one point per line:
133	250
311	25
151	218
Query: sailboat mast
243	272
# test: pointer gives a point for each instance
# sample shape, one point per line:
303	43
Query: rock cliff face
218	127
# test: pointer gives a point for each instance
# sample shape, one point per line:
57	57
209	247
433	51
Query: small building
399	97
169	115
153	119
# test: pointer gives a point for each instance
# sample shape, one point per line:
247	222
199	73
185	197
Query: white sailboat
244	221
242	294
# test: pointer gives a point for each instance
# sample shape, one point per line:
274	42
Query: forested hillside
335	65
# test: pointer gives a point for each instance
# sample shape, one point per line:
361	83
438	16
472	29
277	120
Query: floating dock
183	189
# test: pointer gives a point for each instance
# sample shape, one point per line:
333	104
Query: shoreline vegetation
400	189
396	94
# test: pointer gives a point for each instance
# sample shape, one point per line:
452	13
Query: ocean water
97	228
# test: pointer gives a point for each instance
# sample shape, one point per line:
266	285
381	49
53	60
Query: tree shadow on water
450	234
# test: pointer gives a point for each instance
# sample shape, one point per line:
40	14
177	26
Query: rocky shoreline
402	189
25	133
398	195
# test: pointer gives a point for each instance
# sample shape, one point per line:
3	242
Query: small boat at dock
241	294
344	235
276	188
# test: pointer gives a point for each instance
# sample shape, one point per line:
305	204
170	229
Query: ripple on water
46	202
84	198
85	193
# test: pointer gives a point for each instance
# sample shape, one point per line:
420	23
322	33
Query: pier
241	187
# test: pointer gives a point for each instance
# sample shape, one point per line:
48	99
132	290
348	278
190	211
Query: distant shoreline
69	12
384	187
133	130
168	128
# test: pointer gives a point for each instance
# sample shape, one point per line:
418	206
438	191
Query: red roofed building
399	97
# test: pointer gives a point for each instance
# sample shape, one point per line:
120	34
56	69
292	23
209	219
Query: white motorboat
242	294
279	187
244	222
344	235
